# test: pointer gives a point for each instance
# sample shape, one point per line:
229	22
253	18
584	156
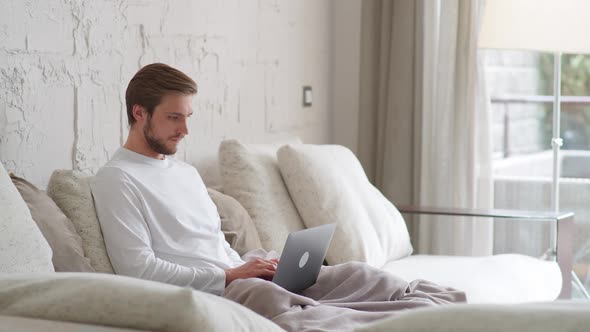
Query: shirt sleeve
231	253
128	240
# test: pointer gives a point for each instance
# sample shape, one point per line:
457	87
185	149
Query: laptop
302	257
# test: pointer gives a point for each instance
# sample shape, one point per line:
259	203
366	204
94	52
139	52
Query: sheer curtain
456	145
424	122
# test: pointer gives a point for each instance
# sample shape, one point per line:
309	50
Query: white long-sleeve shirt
159	222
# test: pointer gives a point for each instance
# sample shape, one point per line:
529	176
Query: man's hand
257	268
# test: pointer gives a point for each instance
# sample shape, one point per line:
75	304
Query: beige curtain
423	126
389	94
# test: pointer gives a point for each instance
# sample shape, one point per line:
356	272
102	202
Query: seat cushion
507	278
22	246
328	185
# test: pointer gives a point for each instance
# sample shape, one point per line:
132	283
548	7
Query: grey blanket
344	297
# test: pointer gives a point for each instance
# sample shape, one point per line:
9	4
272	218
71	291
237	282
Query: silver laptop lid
302	257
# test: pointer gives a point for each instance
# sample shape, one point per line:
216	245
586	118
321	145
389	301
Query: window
521	88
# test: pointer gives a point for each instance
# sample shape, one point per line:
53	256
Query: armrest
489	213
562	237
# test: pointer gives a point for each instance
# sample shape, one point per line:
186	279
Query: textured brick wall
64	66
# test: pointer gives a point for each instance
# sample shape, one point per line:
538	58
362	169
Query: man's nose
184	127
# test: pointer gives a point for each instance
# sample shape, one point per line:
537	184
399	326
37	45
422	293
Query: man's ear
139	113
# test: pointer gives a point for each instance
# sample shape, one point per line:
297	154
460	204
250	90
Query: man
159	223
157	219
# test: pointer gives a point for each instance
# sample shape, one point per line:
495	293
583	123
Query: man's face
167	125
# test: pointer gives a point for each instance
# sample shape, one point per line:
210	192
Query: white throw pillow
22	246
71	192
250	174
328	185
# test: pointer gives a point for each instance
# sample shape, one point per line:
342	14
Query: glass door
521	89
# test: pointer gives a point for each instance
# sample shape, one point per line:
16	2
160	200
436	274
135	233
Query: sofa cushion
563	316
236	224
113	300
71	192
507	278
22	246
250	174
25	324
58	230
328	185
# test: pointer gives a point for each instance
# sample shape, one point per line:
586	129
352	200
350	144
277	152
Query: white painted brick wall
64	67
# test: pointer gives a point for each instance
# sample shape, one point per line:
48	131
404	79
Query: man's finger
267	274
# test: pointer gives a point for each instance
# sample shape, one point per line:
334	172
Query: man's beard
158	145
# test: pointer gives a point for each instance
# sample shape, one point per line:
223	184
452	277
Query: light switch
307	96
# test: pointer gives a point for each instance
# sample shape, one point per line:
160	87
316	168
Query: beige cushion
113	300
58	230
24	324
250	175
328	185
71	192
236	224
22	246
562	316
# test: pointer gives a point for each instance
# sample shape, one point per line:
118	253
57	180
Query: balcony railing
528	99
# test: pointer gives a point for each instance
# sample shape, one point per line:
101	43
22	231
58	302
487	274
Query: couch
306	185
256	191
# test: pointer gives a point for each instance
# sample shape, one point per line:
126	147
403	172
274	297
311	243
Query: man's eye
173	117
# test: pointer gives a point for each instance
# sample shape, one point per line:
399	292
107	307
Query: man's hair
151	83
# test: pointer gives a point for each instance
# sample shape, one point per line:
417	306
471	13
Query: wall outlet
307	96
